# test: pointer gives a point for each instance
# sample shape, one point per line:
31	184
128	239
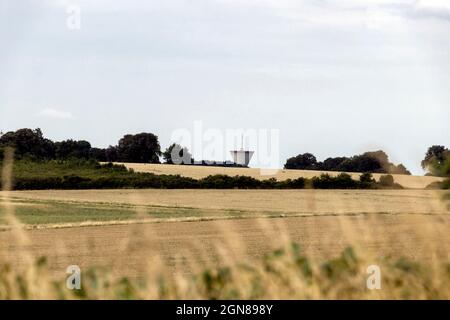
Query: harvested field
310	202
186	246
197	172
411	223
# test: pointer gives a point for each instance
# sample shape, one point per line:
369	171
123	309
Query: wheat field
197	172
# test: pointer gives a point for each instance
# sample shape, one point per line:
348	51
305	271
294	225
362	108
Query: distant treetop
437	161
374	162
28	143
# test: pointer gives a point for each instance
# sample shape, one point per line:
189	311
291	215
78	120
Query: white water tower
242	157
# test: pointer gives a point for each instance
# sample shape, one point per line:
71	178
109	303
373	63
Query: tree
366	179
386	165
305	161
98	154
374	162
104	155
73	149
140	148
330	164
176	154
445	171
380	155
367	163
111	153
28	142
399	169
435	160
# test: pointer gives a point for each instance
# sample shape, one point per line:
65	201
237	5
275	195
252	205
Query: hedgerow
89	174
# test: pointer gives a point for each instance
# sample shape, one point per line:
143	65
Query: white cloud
56	114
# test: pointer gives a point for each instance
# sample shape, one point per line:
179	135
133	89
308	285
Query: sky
335	77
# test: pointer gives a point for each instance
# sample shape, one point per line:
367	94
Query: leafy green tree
331	164
366	179
139	148
446	168
366	163
111	154
176	154
436	160
98	154
306	161
374	162
73	149
28	142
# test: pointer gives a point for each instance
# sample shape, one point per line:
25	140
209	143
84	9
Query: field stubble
412	223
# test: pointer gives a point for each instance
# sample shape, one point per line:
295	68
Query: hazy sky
337	77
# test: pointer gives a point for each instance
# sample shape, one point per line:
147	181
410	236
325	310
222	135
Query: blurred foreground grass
283	274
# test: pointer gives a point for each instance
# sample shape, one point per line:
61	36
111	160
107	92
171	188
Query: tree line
136	148
145	148
375	162
435	163
31	144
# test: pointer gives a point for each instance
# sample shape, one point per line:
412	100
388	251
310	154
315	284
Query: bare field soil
410	223
197	172
184	247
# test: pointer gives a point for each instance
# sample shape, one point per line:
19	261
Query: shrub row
113	182
148	180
